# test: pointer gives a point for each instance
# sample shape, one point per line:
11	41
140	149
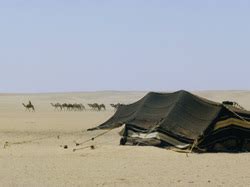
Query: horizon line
94	91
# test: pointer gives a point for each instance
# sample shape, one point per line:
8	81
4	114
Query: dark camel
94	106
115	106
57	106
29	106
102	106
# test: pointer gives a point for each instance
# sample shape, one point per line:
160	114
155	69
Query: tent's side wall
230	132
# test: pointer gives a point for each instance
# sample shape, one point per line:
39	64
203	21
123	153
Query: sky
132	45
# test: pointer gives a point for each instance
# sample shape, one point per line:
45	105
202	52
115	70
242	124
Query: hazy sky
73	45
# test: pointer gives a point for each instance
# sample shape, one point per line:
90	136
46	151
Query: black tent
184	121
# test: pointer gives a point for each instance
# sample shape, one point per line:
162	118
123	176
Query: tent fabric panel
231	121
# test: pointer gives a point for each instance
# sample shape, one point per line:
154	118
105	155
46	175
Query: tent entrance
152	138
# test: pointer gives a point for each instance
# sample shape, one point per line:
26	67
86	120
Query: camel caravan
73	107
97	107
78	107
68	107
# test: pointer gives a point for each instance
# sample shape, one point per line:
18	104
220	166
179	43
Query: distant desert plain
37	147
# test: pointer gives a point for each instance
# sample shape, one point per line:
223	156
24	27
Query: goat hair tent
184	121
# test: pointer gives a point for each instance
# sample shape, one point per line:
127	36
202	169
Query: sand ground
35	155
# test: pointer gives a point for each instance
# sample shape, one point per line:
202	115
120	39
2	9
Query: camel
115	106
65	106
91	106
74	107
94	106
77	107
97	107
29	106
102	106
57	106
70	107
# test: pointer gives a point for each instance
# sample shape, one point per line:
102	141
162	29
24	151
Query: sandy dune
35	155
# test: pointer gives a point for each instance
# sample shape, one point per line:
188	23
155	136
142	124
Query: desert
35	154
